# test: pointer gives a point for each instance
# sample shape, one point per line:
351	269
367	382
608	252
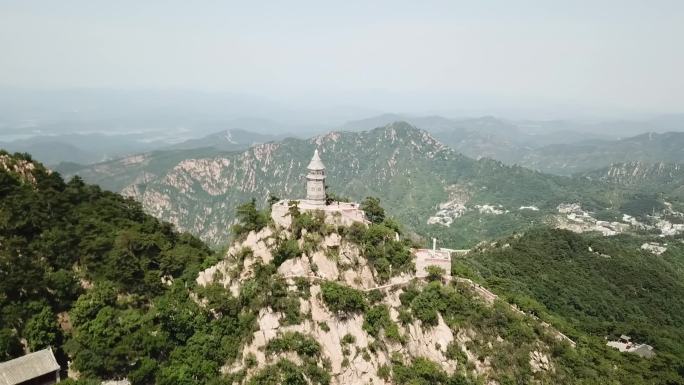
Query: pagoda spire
316	162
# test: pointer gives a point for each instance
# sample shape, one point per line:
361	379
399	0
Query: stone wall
429	257
337	213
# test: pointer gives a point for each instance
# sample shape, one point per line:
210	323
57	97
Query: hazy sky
414	56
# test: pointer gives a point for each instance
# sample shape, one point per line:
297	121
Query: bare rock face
332	240
297	267
327	268
347	364
206	276
260	244
356	370
268	326
431	343
539	362
362	278
350	363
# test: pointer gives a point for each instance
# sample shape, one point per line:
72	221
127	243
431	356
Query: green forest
592	287
88	273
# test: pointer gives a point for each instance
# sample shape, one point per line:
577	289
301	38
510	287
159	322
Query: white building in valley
625	344
342	213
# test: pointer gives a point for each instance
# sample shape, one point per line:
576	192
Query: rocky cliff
339	321
645	176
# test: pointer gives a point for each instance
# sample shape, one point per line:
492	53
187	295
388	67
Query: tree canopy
374	212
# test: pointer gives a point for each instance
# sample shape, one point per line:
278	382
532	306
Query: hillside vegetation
84	271
568	159
602	286
654	178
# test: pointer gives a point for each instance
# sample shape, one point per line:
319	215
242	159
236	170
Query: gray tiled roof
26	367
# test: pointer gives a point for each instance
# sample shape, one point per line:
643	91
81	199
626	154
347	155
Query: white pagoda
342	213
315	180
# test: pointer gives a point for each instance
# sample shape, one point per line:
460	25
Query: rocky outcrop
24	169
349	363
348	351
431	342
539	362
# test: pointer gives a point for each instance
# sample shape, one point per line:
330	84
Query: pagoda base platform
337	213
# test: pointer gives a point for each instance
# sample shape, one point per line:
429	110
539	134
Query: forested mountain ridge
424	183
69	250
567	159
483	137
115	175
654	177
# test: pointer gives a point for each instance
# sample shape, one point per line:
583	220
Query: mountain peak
402	130
401	125
322	297
391	133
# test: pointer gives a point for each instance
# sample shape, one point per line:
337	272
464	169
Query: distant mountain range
228	140
80	148
559	147
424	183
546	131
84	149
584	156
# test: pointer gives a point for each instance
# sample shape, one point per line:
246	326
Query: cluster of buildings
579	221
576	219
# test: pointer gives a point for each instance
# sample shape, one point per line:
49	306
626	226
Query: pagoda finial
316	163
